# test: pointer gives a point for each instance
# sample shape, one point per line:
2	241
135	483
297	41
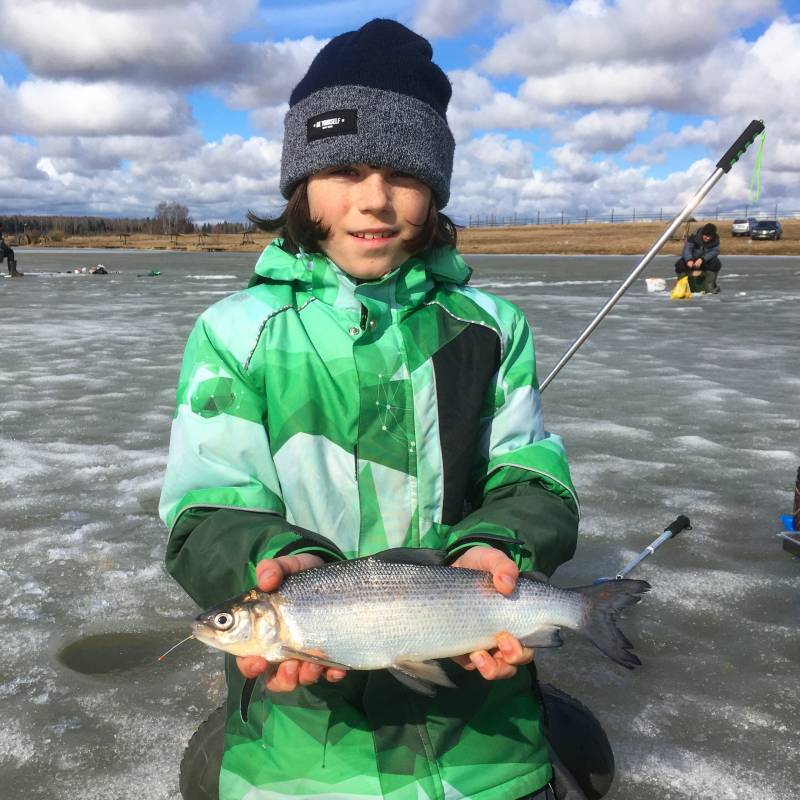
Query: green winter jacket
318	414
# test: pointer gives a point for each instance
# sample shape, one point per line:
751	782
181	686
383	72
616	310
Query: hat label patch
332	123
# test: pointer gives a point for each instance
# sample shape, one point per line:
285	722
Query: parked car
742	227
766	229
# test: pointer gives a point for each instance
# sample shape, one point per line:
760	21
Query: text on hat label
332	123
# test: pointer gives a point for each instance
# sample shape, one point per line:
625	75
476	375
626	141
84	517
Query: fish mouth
200	631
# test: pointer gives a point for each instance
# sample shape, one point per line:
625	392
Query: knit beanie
371	96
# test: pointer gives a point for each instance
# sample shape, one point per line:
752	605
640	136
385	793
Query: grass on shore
577	238
620	238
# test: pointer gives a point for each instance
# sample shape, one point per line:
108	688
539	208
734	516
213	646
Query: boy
359	396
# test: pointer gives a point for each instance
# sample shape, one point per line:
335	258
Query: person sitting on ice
700	259
8	253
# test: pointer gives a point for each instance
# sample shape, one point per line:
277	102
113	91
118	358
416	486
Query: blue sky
113	108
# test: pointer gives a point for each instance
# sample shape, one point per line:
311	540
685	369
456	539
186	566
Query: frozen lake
671	407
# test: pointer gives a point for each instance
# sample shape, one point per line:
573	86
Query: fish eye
223	620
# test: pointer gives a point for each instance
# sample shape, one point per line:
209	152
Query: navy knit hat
371	96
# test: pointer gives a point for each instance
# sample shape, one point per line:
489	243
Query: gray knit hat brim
361	125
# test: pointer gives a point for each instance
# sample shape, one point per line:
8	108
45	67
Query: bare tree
173	218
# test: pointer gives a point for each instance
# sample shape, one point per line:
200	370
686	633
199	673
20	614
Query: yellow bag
681	290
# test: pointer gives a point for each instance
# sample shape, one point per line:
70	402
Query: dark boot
696	283
709	282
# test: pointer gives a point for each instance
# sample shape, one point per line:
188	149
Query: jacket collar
315	273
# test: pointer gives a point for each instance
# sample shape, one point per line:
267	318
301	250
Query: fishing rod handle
673	529
680	524
737	149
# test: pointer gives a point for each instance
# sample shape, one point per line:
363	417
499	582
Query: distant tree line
168	219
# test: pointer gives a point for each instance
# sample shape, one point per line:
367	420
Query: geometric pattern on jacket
380	414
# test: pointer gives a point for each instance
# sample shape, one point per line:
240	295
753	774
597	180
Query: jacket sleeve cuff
504	541
299	540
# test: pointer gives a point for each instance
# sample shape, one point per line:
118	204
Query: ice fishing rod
673	529
734	153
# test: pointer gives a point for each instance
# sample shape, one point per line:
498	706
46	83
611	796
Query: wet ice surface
671	407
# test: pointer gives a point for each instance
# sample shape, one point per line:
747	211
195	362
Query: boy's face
371	213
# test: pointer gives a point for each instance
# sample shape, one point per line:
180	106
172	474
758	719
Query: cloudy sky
112	106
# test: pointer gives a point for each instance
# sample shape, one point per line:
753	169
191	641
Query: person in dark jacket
700	259
8	253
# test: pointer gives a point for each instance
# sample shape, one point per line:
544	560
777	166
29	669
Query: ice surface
670	407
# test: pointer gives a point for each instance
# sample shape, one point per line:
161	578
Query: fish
404	609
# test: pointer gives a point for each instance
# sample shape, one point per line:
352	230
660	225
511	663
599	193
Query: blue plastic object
788	522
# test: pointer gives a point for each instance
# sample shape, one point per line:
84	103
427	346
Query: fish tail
603	602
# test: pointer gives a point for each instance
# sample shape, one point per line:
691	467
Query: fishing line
162	657
755	180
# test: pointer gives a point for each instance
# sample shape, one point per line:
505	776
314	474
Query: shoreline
618	239
63	250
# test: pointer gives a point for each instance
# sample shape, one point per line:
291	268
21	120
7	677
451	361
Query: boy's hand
504	660
287	675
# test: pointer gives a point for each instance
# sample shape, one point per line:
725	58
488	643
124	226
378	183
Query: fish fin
412	555
604	601
545	636
421	676
415	684
244	701
426	556
535	576
300	655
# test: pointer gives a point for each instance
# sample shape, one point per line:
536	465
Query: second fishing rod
732	155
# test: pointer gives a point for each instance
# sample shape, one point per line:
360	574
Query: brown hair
296	226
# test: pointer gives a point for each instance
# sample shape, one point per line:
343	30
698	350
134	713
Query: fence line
614	216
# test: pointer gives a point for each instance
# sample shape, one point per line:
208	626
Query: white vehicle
742	227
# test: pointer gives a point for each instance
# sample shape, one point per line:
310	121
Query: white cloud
447	17
762	76
617	84
606	131
503	155
785	157
219	180
269	120
706	133
598	32
105	108
486	173
18	162
171	43
601	84
470	89
89	156
272	70
476	105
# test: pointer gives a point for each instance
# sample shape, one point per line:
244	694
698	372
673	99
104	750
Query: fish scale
402	610
408	612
